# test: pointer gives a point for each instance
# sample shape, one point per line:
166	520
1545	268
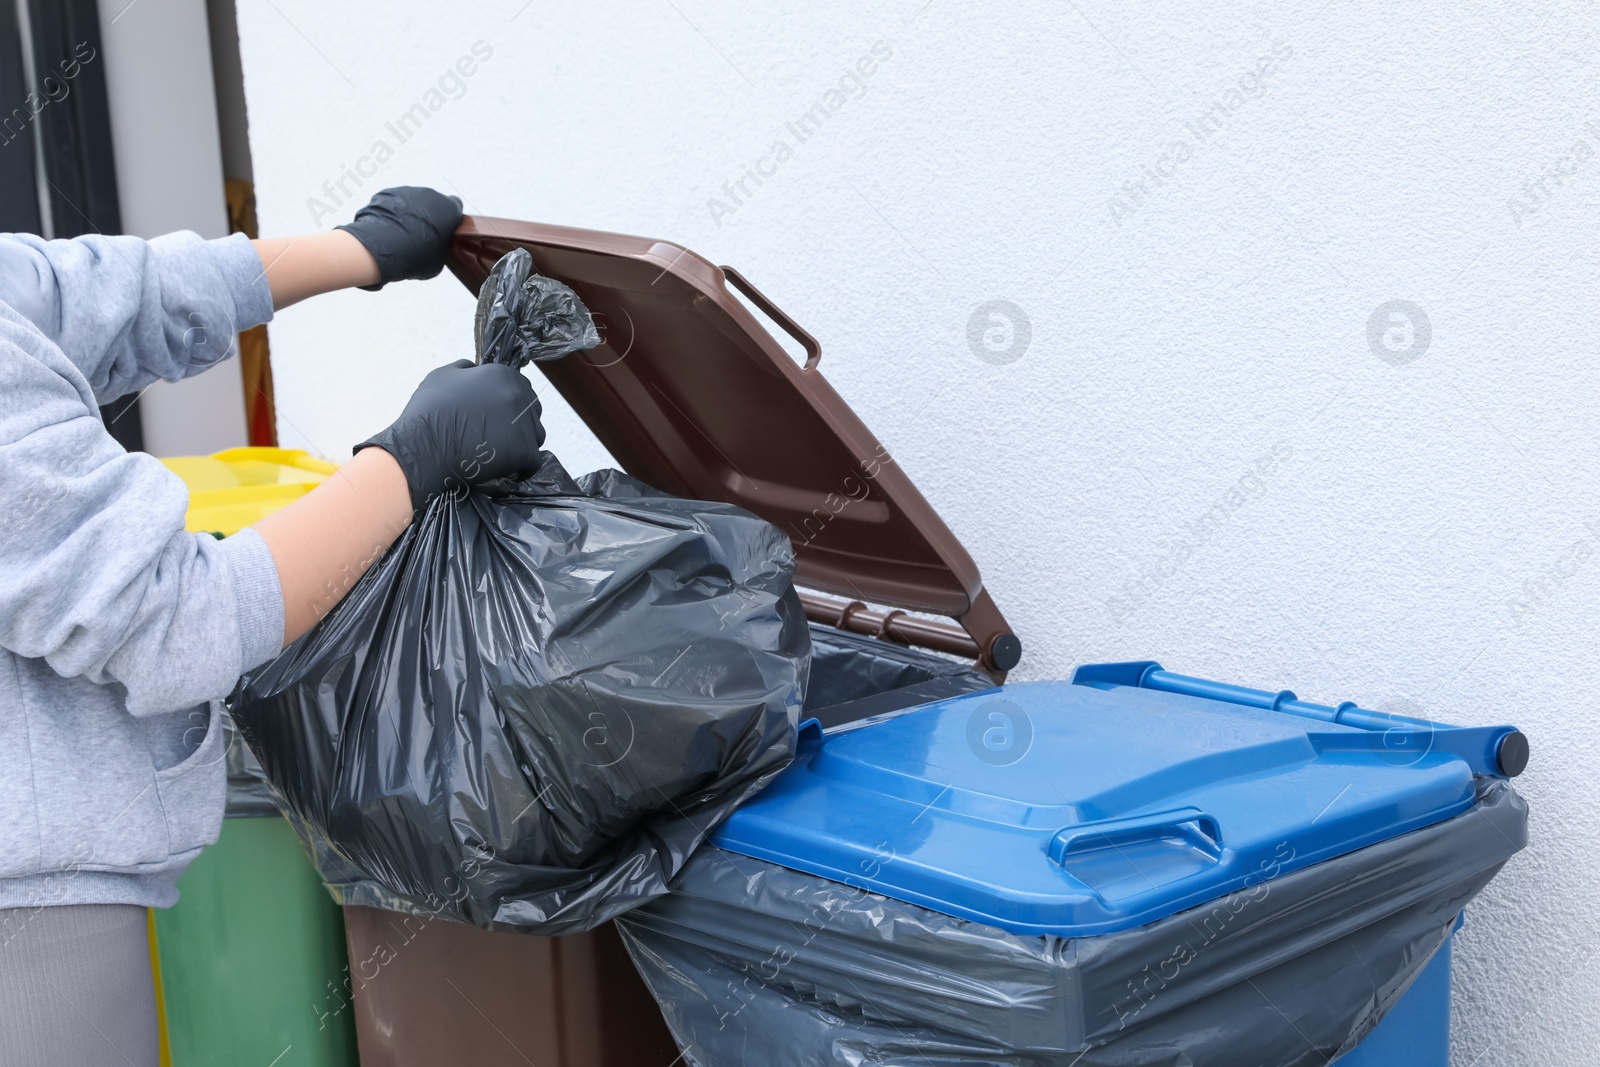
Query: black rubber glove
465	424
407	230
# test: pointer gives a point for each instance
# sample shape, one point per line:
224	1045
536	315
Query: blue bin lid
1081	809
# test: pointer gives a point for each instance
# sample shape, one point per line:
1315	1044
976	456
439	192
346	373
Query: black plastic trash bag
525	317
538	702
250	795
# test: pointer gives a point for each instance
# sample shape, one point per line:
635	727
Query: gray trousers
76	988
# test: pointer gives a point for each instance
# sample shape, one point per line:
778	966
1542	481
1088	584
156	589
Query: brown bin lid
692	395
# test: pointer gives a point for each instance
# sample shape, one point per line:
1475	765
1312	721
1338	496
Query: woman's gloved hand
464	425
407	230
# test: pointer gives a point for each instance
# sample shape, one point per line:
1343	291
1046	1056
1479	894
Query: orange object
255	363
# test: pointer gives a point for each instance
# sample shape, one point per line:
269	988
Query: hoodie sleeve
127	311
98	577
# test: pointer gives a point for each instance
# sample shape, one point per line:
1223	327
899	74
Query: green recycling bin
250	965
252	961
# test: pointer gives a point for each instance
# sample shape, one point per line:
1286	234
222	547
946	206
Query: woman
119	632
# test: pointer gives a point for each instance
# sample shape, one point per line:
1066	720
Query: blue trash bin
1132	868
1416	1033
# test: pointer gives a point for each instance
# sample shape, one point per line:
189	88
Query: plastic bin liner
537	702
524	317
250	795
846	667
755	963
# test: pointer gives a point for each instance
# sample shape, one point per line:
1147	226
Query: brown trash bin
692	395
432	991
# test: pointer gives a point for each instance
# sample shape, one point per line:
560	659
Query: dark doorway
57	168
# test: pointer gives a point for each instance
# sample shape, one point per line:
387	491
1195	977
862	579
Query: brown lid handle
997	651
775	313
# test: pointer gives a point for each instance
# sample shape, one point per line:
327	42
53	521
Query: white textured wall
1417	533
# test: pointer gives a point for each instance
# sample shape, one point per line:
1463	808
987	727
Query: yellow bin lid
229	490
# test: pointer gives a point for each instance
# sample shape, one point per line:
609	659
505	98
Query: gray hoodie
119	632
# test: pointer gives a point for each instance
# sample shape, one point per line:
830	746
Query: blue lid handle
1500	751
1198	829
808	739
